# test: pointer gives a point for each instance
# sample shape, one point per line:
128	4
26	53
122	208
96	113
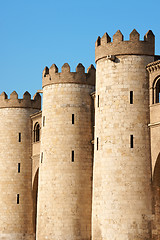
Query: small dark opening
17	198
19	167
41	157
97	143
72	118
19	139
43	121
131	97
157	97
72	156
131	141
98	41
98	101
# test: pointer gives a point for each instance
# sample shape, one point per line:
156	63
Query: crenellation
53	69
45	71
3	96
80	68
150	37
105	39
134	36
65	68
14	95
15	102
87	166
120	47
118	36
98	41
27	96
91	69
37	97
66	76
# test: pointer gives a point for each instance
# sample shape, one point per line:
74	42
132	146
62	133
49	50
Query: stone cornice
154	66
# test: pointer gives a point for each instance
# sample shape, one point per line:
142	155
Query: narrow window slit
43	121
19	167
97	143
131	141
131	97
72	156
98	101
17	198
72	118
41	157
36	132
19	139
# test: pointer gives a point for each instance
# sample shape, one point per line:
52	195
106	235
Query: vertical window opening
19	139
17	198
72	118
19	167
72	156
131	97
43	121
36	132
41	157
97	143
131	141
157	91
98	101
98	41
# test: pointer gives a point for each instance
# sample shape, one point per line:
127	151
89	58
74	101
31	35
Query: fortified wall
16	206
66	167
86	166
121	207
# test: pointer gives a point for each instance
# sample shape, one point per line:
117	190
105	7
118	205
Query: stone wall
16	221
122	173
154	125
65	186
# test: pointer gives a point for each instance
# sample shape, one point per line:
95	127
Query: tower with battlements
65	173
16	205
86	167
122	172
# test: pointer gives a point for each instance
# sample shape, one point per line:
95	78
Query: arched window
156	90
36	132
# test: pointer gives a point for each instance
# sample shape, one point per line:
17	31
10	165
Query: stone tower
65	173
122	169
154	89
15	166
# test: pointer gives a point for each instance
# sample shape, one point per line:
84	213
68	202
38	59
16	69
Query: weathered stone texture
52	76
14	102
16	219
58	166
122	175
134	46
65	187
154	80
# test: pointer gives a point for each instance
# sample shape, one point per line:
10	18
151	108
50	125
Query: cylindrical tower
65	173
15	166
122	164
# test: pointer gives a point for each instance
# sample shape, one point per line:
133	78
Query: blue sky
36	33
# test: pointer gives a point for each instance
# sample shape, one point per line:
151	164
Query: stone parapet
52	76
14	102
104	47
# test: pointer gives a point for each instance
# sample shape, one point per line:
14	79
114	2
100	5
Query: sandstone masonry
86	166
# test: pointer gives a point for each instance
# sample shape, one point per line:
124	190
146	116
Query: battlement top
104	47
52	76
14	102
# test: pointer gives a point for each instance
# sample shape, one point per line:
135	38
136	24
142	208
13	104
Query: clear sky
38	33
